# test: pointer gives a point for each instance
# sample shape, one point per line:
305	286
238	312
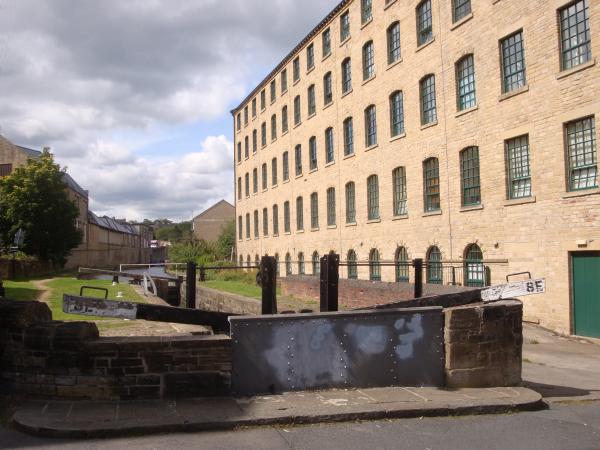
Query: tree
226	241
34	199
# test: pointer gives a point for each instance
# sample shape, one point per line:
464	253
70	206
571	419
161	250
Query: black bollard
330	276
418	265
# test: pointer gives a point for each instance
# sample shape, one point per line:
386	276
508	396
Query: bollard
115	279
190	287
268	282
330	276
418	265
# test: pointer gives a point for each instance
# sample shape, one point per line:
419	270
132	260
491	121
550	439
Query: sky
133	97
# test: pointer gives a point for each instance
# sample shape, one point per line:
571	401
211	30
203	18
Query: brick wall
361	293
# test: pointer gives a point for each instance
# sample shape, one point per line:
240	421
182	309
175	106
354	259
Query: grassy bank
21	290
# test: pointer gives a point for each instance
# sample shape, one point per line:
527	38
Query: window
255	180
245	115
312	105
424	22
277	263
393	42
298	158
460	9
373	197
273	127
288	264
346	76
370	126
402	265
254	107
254	141
239	185
314	211
352	267
316	264
299	214
348	137
331	207
374	265
327	89
241	260
264	176
263	99
240	229
239	121
310	57
248	226
255	224
246	147
431	184
434	266
297	115
329	151
469	176
265	218
284	119
285	162
474	270
247	184
248	260
312	153
263	134
283	80
575	38
344	26
399	188
581	154
239	151
275	220
368	60
296	69
256	261
326	42
286	217
273	88
300	263
517	163
366	11
427	92
396	114
350	203
465	83
274	172
513	62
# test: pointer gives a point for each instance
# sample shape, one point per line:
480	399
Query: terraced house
449	130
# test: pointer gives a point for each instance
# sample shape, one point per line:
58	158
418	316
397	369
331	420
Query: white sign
515	289
98	307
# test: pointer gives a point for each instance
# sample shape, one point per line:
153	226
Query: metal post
453	276
330	276
418	265
202	274
268	282
190	286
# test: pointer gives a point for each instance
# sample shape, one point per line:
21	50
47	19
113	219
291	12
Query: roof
29	151
111	224
289	56
214	206
70	181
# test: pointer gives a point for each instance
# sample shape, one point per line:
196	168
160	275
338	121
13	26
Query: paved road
563	427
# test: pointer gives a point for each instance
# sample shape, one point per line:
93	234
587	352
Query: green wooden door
586	293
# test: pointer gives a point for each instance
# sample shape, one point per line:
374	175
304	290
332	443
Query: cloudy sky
133	96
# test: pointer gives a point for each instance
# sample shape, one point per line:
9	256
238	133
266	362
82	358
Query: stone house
209	224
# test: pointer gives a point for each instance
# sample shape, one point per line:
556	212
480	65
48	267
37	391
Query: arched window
352	268
402	264
368	56
474	270
434	266
248	261
428	101
465	83
273	127
300	263
316	264
241	260
393	42
469	176
327	89
312	153
399	191
312	102
431	184
277	263
396	114
346	75
350	203
374	265
288	264
370	126
256	260
373	197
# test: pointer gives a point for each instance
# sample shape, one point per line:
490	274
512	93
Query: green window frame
329	149
518	167
370	126
431	184
331	219
374	265
460	9
393	42
352	266
314	211
344	26
473	266
428	101
366	11
396	114
465	83
312	104
513	62
402	265
346	75
265	218
310	57
284	119
469	176
286	217
300	263
575	36
326	38
327	89
316	264
373	197
299	214
275	220
350	202
435	273
348	137
424	22
285	163
288	264
298	159
399	192
368	57
582	158
312	153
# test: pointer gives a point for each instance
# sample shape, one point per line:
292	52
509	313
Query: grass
21	290
235	287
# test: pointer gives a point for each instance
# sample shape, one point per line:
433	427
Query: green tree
34	199
226	241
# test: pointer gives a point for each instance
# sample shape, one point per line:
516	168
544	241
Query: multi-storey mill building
450	130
